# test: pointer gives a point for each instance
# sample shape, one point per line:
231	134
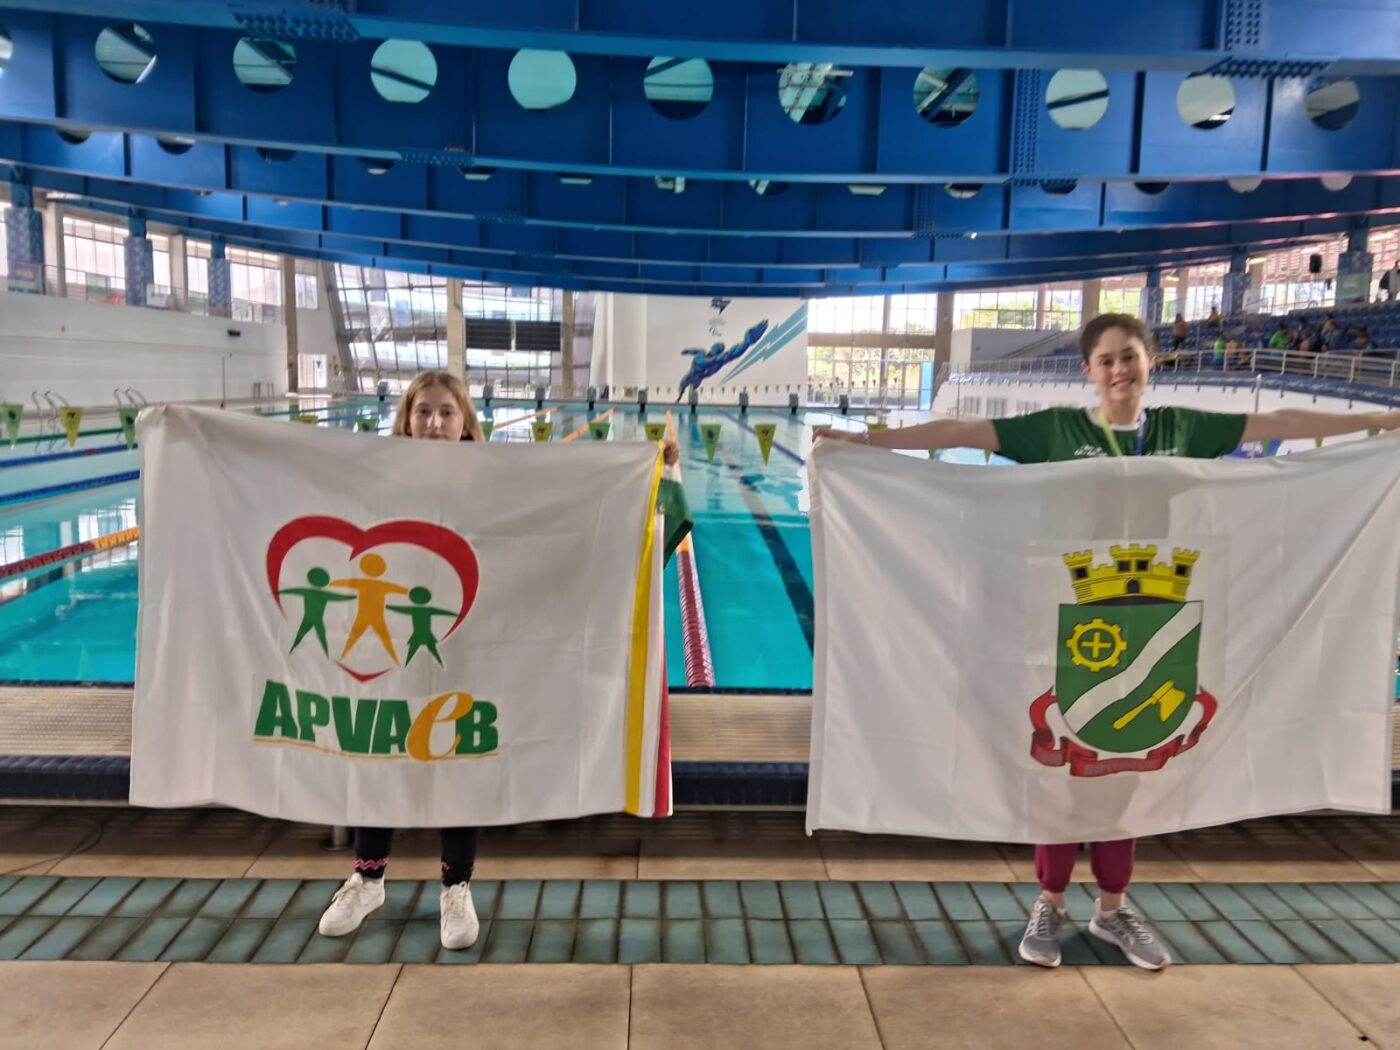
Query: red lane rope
695	637
101	543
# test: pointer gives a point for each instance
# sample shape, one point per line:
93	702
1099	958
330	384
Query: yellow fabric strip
641	642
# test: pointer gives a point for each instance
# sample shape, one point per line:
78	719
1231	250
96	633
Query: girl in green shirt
1118	361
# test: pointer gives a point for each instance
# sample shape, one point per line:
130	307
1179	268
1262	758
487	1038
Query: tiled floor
128	899
762	921
187	1006
225	844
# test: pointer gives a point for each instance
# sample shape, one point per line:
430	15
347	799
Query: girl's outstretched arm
941	433
1300	423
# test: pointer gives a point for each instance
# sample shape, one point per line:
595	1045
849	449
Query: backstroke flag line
396	633
1095	650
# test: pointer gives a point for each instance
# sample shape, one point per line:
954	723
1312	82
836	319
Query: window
1205	292
255	277
160	261
914	314
1064	308
865	313
489	301
307	295
1013	308
94	258
1123	295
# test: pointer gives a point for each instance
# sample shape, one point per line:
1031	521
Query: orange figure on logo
369	611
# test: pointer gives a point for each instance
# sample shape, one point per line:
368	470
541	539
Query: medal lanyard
1113	438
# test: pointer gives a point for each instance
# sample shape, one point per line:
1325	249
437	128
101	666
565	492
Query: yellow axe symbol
1168	698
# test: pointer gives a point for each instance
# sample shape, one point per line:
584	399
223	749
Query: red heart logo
435	539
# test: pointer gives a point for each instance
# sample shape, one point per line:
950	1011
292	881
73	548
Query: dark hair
1095	329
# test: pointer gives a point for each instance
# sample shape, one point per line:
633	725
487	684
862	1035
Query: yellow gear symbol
1091	654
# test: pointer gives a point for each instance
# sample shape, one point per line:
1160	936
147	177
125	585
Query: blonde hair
452	385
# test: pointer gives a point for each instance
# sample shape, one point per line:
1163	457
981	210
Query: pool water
77	622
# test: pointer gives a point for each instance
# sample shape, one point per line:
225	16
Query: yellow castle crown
1132	573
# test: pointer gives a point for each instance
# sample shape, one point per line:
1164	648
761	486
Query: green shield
1125	675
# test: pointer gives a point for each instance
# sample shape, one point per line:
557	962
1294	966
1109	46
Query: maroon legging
1112	864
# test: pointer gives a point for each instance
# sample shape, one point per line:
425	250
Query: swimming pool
77	621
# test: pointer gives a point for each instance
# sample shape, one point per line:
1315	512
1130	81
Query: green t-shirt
672	503
1279	340
1073	433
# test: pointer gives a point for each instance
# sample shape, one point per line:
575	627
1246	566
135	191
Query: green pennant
1373	433
765	432
710	433
307	417
13	414
543	429
1317	442
72	420
988	454
933	453
877	426
656	431
367	424
486	425
128	418
598	429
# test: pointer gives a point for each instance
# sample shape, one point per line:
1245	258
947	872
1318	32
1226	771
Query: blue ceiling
823	147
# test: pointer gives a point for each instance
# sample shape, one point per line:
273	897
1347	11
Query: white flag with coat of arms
1101	649
344	629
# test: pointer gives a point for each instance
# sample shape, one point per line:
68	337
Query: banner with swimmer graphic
396	633
1103	649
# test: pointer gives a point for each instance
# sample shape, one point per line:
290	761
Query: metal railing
83	286
1378	369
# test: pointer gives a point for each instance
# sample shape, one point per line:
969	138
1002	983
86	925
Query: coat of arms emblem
1126	696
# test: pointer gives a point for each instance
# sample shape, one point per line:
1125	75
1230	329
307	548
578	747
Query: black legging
372	847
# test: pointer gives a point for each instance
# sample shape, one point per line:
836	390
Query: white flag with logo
1102	649
344	629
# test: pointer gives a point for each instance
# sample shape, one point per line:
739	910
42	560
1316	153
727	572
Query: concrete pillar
179	271
55	258
289	321
1150	305
1089	296
24	242
1354	269
1236	286
943	333
139	256
220	282
566	341
1042	307
456	330
1255	294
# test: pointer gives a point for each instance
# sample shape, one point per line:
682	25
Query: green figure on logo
314	600
421	614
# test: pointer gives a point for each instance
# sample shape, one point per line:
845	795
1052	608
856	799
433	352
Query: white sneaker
458	925
351	903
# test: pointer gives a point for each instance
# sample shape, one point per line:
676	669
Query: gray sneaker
1041	943
1125	929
